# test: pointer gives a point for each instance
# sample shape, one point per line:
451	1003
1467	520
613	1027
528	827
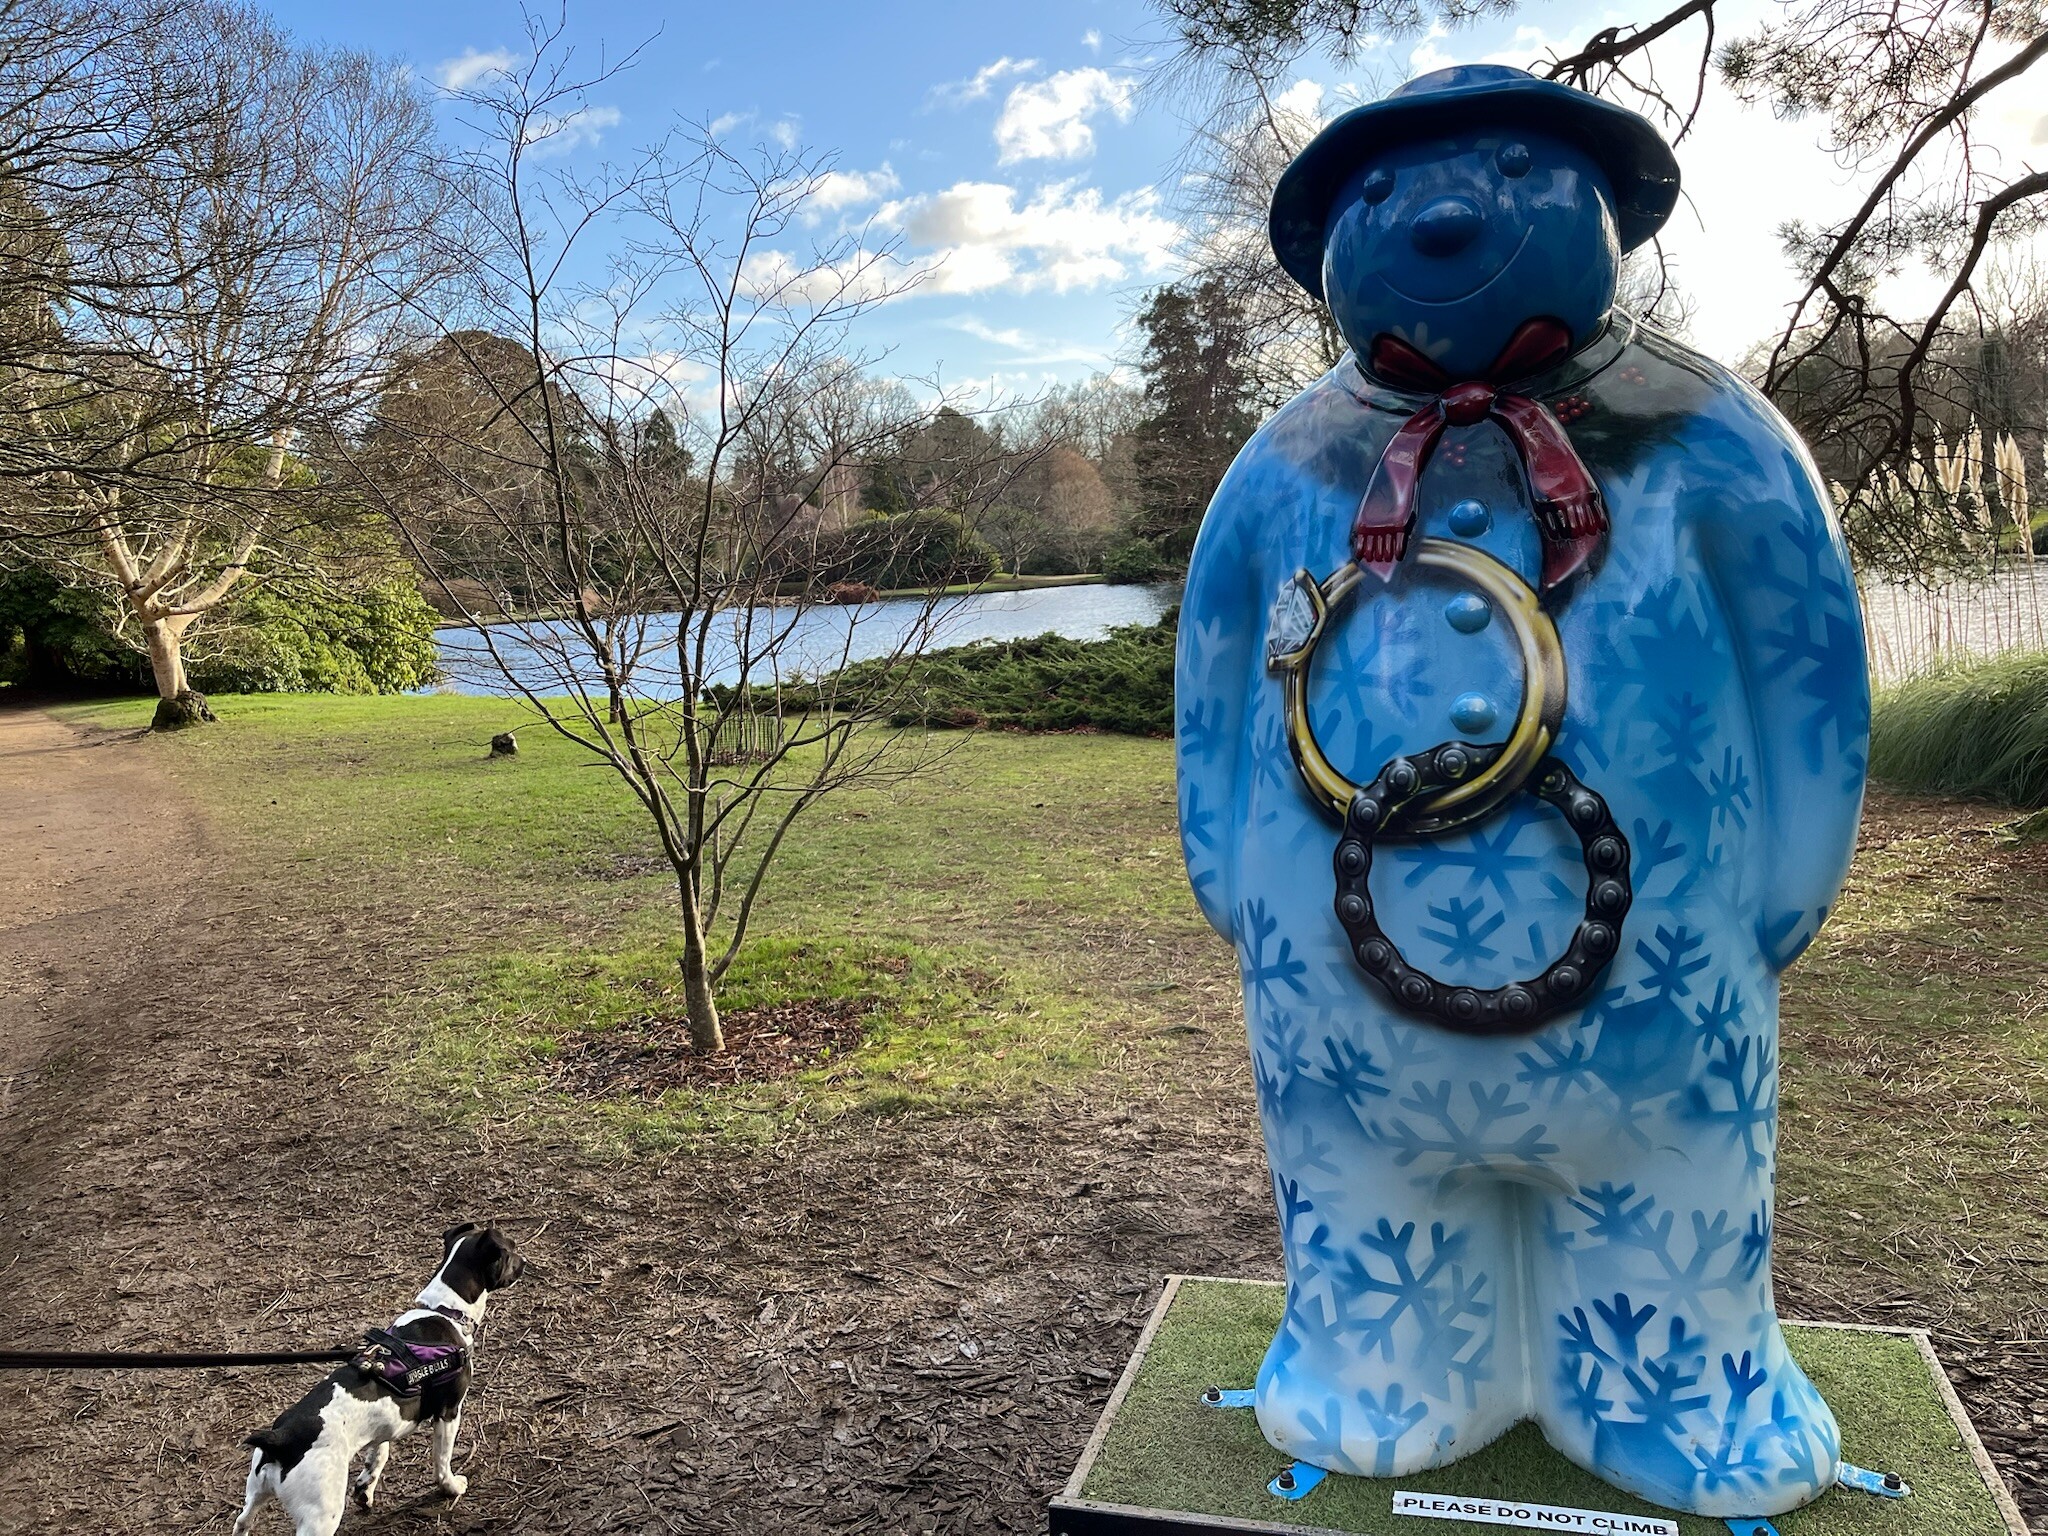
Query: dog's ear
455	1234
502	1254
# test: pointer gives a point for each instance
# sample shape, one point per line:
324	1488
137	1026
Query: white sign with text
1539	1517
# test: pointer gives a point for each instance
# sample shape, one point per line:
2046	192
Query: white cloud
785	132
573	130
1427	56
662	377
1040	351
459	74
974	326
1301	105
778	278
2016	120
958	93
1048	120
849	189
1092	40
1528	43
1064	237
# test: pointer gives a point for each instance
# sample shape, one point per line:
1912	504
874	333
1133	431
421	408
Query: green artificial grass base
1162	1449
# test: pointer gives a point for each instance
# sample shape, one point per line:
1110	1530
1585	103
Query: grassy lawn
1916	1073
1004	915
1018	919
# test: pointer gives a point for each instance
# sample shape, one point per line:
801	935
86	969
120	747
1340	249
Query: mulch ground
645	1058
889	1325
885	1326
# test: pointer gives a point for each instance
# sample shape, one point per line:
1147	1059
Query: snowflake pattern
1717	701
1466	929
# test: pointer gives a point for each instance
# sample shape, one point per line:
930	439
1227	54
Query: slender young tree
662	457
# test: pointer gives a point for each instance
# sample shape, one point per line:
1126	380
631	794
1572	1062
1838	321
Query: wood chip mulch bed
648	1057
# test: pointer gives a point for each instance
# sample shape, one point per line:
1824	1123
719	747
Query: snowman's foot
1364	1421
1779	1454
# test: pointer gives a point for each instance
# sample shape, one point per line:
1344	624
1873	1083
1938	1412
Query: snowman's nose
1446	226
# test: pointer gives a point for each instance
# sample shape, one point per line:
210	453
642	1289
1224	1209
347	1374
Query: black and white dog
415	1372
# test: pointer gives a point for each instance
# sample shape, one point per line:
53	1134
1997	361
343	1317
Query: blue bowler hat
1638	163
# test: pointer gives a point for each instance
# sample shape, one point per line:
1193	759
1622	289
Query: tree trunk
166	657
706	1038
178	704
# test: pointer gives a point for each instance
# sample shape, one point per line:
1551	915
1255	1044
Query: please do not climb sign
1542	1517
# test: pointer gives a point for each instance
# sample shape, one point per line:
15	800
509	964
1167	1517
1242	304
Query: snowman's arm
1222	635
1778	562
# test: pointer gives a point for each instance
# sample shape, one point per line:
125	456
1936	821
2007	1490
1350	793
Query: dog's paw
454	1485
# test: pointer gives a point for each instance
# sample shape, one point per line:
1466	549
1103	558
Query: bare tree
666	438
1057	517
76	118
1236	155
1099	418
224	305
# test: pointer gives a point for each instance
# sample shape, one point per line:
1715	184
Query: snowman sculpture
1521	713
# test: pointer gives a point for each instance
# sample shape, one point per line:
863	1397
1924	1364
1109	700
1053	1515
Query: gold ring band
1537	722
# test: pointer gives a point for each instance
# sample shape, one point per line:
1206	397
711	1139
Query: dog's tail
270	1442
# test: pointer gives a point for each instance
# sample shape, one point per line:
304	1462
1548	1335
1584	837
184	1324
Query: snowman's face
1451	243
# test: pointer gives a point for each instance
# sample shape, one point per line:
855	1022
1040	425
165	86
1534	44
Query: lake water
1913	628
809	640
1910	628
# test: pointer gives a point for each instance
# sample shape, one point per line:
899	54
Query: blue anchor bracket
1886	1485
1224	1397
1297	1482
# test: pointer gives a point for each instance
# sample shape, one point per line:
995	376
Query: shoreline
893	594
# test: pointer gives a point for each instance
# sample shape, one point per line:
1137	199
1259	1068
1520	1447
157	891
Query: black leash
161	1360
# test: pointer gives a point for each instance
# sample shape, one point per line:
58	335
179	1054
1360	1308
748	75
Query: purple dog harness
409	1366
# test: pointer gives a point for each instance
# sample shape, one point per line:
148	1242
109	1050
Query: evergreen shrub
1121	683
291	637
1133	562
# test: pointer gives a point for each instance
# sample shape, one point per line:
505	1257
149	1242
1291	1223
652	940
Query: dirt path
890	1326
86	825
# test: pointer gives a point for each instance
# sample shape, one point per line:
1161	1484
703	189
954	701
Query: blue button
1469	519
1468	613
1473	713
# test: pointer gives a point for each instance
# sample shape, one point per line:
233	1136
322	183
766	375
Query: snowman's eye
1378	187
1513	159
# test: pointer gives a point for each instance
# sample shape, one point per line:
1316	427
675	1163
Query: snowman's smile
1483	284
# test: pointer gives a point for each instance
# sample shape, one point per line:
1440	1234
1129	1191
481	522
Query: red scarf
1569	511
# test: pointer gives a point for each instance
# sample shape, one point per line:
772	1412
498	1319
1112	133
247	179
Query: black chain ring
1522	1006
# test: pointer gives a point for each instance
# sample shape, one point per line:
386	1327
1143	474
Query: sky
1029	151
